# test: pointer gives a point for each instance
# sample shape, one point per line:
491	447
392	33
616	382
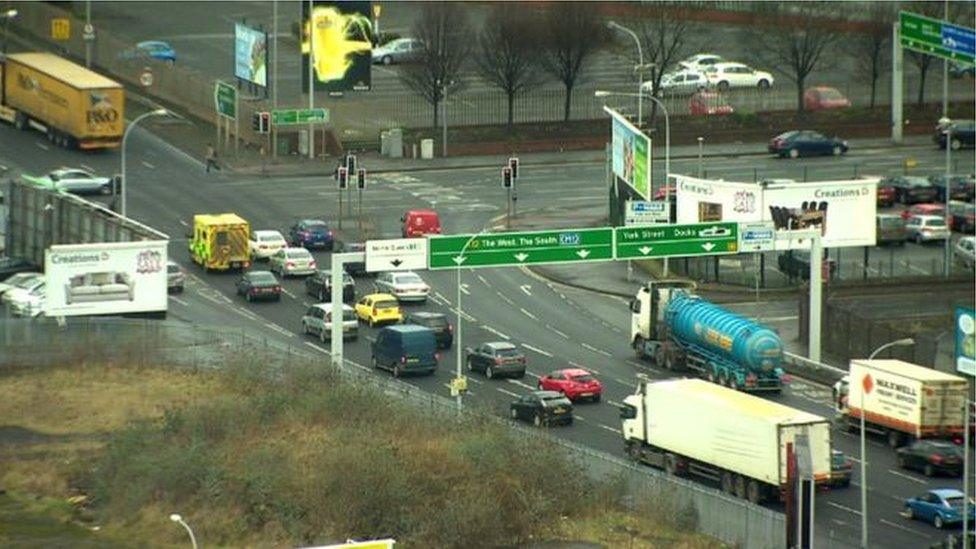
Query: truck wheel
740	487
754	491
728	486
659	358
20	121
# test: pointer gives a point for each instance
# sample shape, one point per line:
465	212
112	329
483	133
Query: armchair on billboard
631	154
340	45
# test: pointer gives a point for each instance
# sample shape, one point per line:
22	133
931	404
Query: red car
706	103
575	383
923	209
417	223
886	195
823	97
659	194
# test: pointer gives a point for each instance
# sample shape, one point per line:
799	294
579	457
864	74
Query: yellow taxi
377	308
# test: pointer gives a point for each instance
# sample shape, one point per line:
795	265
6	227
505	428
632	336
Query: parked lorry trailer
74	106
677	329
741	441
902	401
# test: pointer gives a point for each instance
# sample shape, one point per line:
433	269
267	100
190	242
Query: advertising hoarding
251	55
631	154
340	45
642	212
966	341
105	278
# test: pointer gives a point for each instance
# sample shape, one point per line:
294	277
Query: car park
737	75
496	359
575	383
910	189
941	507
709	103
798	143
926	228
311	233
890	229
962	217
175	277
317	320
443	331
257	285
961	133
320	286
18	279
73	180
400	50
681	82
292	262
406	286
965	252
840	469
701	61
923	209
931	457
543	408
796	264
378	308
355	268
824	97
265	243
416	223
405	350
961	187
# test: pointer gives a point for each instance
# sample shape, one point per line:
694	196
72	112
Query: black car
796	264
320	286
495	359
962	217
543	408
840	469
9	266
259	285
931	457
310	233
910	189
806	143
443	331
962	132
961	187
355	268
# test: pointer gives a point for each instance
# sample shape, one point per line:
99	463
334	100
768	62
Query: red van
420	222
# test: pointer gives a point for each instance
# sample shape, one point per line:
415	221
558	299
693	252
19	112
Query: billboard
844	211
251	55
105	278
966	341
631	154
340	45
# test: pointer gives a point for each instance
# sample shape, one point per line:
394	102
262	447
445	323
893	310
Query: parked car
923	209
255	285
886	194
890	229
355	268
941	507
419	223
25	286
175	277
931	457
709	103
961	70
18	279
575	383
310	233
926	228
265	243
10	266
405	286
965	252
806	143
962	217
376	308
543	408
73	180
151	49
961	187
292	262
824	97
405	350
737	75
320	286
701	61
495	359
443	331
317	320
400	50
963	134
681	82
28	303
910	189
840	469
796	264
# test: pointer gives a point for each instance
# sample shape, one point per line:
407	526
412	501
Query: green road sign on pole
676	240
225	100
288	117
936	37
496	250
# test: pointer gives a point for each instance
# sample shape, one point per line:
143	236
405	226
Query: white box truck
692	427
902	401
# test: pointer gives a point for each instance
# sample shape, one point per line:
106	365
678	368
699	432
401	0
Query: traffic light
351	163
361	179
343	177
513	163
507	177
261	122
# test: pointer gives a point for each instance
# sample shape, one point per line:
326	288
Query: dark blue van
405	349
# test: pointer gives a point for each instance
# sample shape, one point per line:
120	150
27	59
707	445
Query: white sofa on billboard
107	286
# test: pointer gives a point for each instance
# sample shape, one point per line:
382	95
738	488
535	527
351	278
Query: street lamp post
640	68
948	190
701	150
7	16
460	262
864	476
179	520
125	139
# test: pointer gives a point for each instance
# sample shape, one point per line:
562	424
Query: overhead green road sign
937	37
677	240
287	117
496	250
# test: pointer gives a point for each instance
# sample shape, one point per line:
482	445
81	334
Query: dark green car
543	408
840	469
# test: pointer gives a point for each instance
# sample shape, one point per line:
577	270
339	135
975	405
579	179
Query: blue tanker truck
677	330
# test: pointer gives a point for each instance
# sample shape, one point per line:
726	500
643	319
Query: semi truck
902	401
740	441
677	329
220	242
74	106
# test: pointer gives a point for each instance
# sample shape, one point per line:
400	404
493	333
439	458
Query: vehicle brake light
277	288
498	360
935	458
312	264
437	356
403	360
450	328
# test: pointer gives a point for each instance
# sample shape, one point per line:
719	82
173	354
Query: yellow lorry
220	241
75	107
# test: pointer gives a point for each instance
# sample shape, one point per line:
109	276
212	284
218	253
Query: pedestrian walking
211	158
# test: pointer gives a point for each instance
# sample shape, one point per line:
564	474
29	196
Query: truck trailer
902	401
74	106
677	329
741	441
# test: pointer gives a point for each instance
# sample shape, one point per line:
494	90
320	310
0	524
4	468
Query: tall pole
125	140
88	43
311	81
948	191
457	344
667	163
640	68
864	479
965	471
701	150
444	120
274	74
945	70
897	81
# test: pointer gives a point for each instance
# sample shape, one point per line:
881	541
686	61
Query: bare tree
572	33
870	48
445	33
507	54
664	38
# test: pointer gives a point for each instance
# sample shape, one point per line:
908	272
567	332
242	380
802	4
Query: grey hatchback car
175	277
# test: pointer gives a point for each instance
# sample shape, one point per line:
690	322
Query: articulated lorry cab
220	242
677	329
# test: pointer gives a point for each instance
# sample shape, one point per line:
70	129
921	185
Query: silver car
292	262
18	279
175	277
317	320
26	303
24	286
401	50
926	228
74	180
965	252
406	286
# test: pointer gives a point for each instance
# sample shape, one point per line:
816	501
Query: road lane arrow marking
525	289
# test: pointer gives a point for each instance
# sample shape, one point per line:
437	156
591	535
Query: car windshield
935	222
298	254
348	315
385	304
583	378
316	227
955	501
917	181
433	322
408	279
28	282
508	352
830	93
555	400
270	238
262	278
891	221
837	460
18	278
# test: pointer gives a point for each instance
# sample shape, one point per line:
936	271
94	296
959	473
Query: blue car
153	49
941	507
806	143
311	233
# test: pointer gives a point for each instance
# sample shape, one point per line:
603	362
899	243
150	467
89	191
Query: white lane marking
473	380
526	289
317	347
484	281
637	364
464	315
905	529
488	328
509	393
464	289
443	298
180	301
505	298
608	428
614	403
564	336
279	329
538	350
289	294
528	314
528	373
148	165
521	384
357	365
42	145
843	508
184	223
595	350
909	477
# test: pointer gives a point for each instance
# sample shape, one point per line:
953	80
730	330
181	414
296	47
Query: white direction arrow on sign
521	257
708	246
396	254
645	249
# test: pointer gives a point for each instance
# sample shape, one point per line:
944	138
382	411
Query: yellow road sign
61	28
377	9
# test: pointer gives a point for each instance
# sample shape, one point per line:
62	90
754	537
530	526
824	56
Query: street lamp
701	150
179	520
125	138
904	342
613	25
460	262
946	123
7	16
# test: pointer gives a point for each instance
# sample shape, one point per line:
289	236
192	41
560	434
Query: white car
26	303
73	180
701	61
292	261
926	228
965	252
405	286
736	75
265	244
401	50
681	82
25	286
16	280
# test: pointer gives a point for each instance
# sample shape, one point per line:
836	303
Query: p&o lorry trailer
902	401
75	107
676	329
692	427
